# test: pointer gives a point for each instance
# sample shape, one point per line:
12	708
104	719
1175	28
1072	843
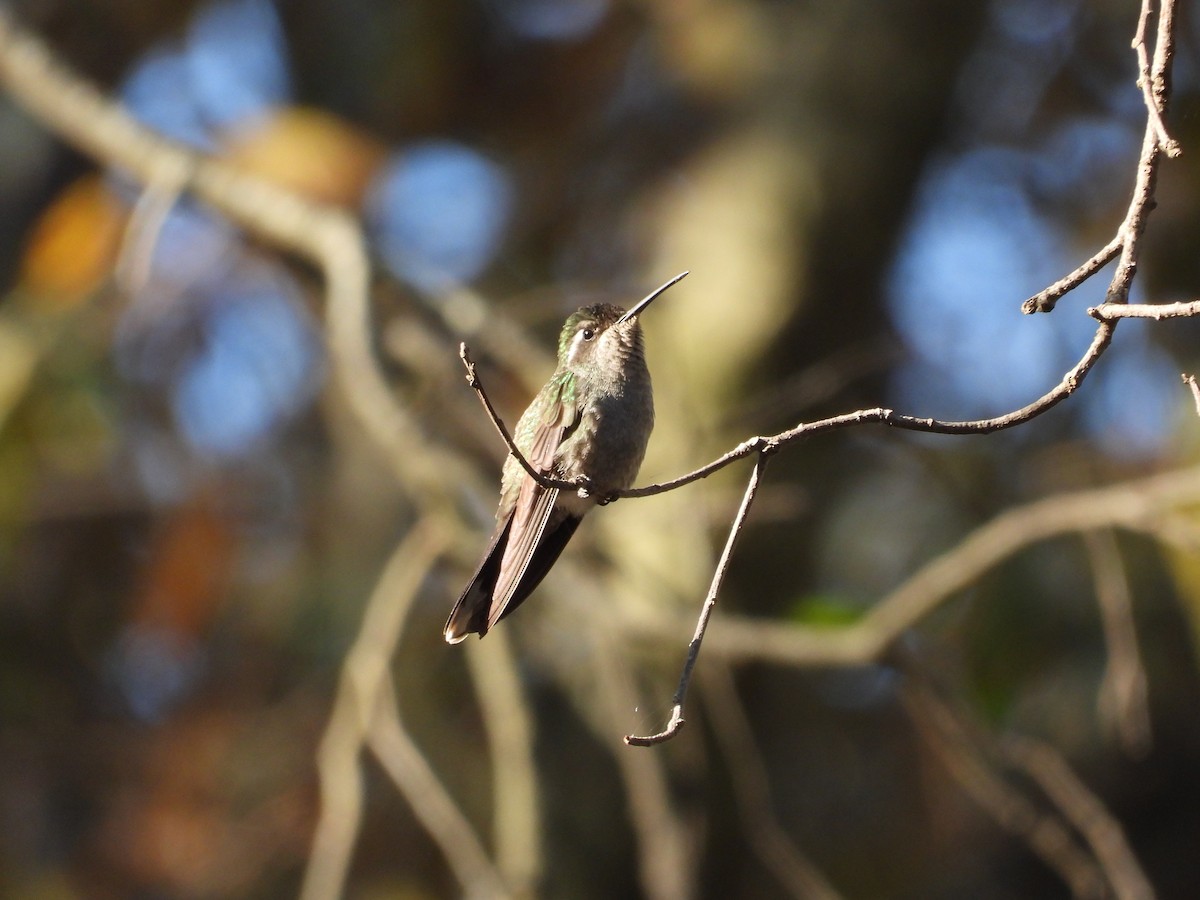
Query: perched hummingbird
592	419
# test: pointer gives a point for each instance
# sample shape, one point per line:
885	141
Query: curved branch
763	445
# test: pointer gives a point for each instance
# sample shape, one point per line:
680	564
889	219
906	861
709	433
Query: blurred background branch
1142	505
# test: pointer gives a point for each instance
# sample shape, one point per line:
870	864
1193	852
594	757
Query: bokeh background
191	521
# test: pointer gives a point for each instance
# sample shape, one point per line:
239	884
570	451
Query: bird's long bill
649	299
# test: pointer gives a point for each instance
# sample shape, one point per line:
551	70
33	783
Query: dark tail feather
473	612
470	613
543	558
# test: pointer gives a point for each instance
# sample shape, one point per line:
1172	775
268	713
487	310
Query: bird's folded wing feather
534	503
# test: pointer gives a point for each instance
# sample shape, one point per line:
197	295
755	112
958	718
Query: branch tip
675	723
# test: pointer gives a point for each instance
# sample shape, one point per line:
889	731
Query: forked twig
1154	80
1151	78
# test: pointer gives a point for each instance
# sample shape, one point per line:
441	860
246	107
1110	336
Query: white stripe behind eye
576	343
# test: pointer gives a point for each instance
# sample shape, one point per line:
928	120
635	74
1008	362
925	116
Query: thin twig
1108	312
676	720
1045	300
464	353
1149	81
1190	381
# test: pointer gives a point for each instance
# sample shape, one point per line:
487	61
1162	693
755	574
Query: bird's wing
522	565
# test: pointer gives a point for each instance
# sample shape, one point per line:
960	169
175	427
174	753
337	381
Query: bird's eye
588	333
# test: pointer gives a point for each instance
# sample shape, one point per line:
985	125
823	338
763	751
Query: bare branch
1154	80
710	602
765	445
1134	226
1151	82
464	353
1109	312
365	675
1045	300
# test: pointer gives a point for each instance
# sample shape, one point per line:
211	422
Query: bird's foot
585	490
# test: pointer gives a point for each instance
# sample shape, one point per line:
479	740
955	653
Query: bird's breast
610	441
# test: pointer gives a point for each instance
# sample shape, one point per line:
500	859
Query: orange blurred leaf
309	151
73	246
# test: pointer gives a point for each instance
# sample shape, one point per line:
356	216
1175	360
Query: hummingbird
591	421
